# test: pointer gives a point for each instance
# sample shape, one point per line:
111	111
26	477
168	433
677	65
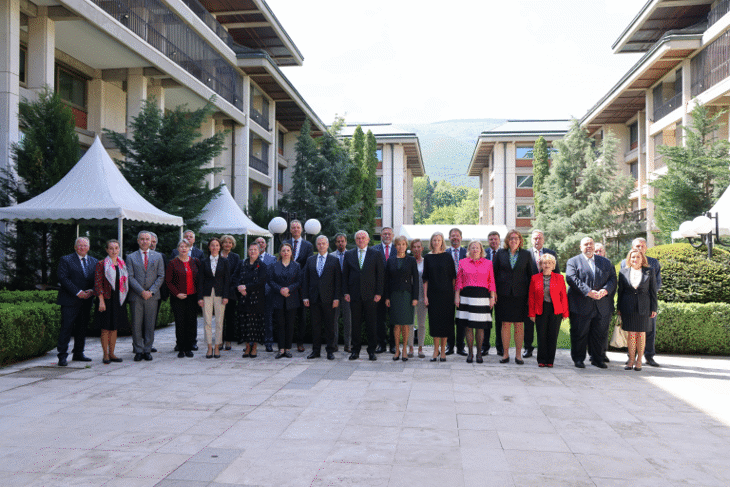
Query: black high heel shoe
504	360
469	359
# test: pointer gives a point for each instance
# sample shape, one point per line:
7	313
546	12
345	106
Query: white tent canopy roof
222	215
94	189
469	232
722	208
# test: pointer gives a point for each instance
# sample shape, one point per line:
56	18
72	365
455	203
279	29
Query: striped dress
474	281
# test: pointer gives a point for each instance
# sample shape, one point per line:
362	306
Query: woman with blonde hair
439	275
228	243
637	303
401	293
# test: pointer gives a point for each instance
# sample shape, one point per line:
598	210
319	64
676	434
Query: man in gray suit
146	275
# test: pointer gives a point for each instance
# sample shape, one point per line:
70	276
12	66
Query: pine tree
351	192
697	174
369	195
540	171
168	164
584	193
300	198
48	150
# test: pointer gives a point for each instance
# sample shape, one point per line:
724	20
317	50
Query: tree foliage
584	192
540	171
48	150
423	191
168	164
369	196
462	210
697	173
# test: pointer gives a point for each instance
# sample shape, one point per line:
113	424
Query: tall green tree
301	197
584	192
48	150
540	171
369	195
167	163
697	173
423	205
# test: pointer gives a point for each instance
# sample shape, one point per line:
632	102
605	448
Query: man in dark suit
269	260
649	351
457	253
76	280
189	235
537	251
344	307
385	334
592	283
363	280
490	253
321	293
301	251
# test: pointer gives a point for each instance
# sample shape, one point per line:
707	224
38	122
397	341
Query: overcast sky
424	61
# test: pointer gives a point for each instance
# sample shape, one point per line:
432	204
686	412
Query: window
280	175
633	135
379	183
525	211
524	153
71	88
379	211
23	65
280	141
524	182
634	170
379	154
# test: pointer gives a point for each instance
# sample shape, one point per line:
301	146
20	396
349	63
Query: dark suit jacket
234	268
363	284
581	281
489	254
194	252
254	277
71	279
655	266
643	299
281	276
512	282
175	276
221	281
305	252
536	269
326	288
381	248
403	279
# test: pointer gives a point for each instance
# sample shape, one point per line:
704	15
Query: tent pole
245	241
119	233
181	237
77	230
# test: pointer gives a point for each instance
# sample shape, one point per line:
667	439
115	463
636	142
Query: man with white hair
640	245
321	292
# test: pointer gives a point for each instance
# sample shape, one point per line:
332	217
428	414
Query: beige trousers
210	304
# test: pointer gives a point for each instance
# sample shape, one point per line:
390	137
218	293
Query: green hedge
693	328
27	330
28	296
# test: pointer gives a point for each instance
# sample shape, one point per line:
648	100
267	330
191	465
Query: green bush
27	330
693	328
689	277
28	296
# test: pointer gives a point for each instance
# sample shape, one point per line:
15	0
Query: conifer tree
301	198
352	190
540	171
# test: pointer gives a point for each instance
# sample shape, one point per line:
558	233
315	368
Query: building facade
502	160
105	57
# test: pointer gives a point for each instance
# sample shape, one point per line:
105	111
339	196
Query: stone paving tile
197	422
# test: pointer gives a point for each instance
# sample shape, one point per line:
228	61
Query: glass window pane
524	211
379	154
524	153
524	182
22	64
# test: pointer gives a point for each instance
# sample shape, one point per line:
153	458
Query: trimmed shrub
28	330
28	296
693	328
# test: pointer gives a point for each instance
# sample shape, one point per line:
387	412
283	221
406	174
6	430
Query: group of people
385	289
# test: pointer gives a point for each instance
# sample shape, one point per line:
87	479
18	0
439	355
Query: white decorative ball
312	226
277	225
702	225
686	230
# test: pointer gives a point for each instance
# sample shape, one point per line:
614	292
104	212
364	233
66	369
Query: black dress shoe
279	355
180	354
372	356
195	348
153	350
62	362
137	357
580	365
81	358
313	355
450	351
348	350
177	348
330	356
461	352
504	360
652	362
605	359
379	349
146	356
526	353
287	354
600	365
117	360
269	348
337	348
354	356
189	354
485	351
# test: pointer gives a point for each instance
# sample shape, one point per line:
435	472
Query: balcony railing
258	164
670	105
711	65
210	21
636	216
721	8
156	24
260	118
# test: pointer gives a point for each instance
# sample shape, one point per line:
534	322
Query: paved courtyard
233	421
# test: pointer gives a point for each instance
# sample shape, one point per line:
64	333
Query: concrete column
387	189
271	195
687	104
409	197
649	169
41	51
96	94
158	93
641	138
9	77
510	199
207	130
240	165
500	152
396	182
136	93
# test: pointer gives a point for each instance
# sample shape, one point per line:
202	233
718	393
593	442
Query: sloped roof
222	215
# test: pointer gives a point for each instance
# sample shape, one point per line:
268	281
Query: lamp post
700	231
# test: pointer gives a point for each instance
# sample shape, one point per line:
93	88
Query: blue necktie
320	265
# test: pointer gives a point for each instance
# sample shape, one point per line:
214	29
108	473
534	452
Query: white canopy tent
94	189
223	215
469	232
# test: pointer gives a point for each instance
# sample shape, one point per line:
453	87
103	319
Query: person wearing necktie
363	281
384	331
301	250
344	307
592	283
321	293
537	251
146	270
76	280
457	253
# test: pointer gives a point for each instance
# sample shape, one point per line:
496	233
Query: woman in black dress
637	304
513	273
250	285
401	294
228	243
438	288
284	282
111	285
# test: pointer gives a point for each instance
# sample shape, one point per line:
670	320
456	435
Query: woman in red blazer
181	278
547	310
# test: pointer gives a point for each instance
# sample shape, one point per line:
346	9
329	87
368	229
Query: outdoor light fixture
701	231
277	225
312	226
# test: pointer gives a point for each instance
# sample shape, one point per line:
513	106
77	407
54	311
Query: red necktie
145	260
387	252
